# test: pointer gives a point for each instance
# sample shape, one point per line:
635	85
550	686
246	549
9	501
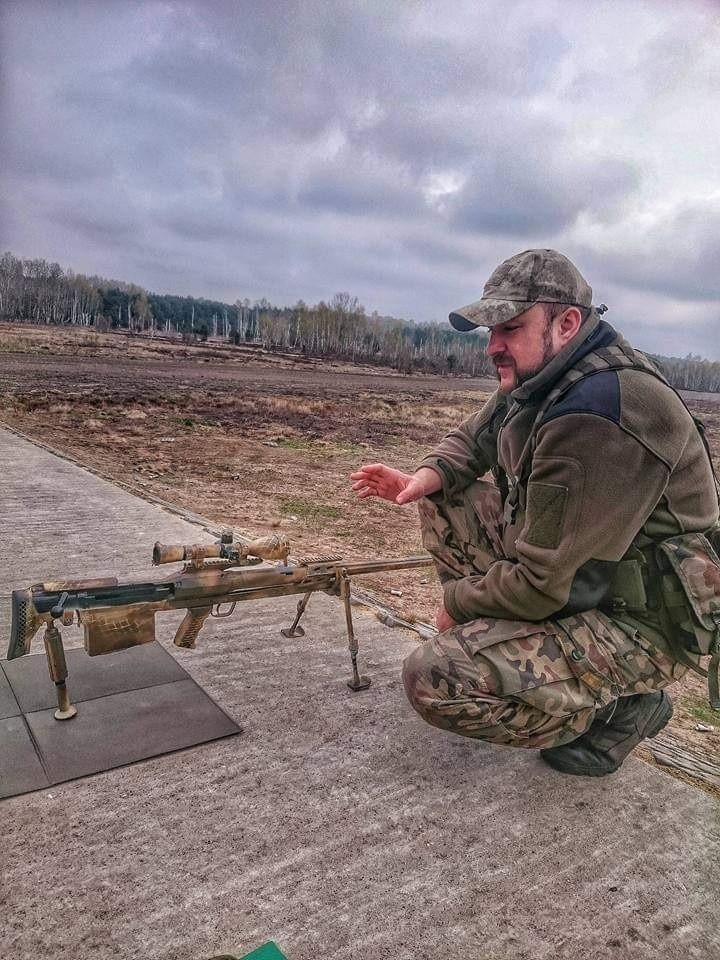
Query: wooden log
667	751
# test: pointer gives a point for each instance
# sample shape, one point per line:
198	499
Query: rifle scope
175	552
273	547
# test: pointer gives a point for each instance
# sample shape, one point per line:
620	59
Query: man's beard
547	355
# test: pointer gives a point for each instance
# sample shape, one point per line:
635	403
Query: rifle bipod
357	682
294	630
55	653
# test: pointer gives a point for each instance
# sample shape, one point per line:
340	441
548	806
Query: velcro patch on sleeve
547	503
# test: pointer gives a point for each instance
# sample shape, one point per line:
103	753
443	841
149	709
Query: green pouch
696	567
628	585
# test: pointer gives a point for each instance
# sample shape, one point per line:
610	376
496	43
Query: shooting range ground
265	442
337	824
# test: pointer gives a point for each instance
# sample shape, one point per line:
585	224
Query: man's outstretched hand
378	480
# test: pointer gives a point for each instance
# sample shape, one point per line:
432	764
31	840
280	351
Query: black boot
616	730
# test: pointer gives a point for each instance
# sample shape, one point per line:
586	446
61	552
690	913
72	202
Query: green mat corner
268	951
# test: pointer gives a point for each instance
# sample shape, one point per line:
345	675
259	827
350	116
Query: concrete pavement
337	824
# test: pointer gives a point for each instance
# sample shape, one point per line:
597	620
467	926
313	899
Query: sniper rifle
116	615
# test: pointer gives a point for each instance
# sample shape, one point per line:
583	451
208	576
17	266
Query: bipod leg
295	630
55	653
357	682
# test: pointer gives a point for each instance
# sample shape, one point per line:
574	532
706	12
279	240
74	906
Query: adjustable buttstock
192	624
26	622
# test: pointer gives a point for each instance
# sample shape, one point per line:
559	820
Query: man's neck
583	342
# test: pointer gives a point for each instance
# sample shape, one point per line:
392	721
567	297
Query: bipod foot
66	714
294	630
357	683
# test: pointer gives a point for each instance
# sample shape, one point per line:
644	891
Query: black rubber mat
8	704
119	729
91	677
20	768
131	706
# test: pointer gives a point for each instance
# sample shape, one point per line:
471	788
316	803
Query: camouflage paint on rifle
117	615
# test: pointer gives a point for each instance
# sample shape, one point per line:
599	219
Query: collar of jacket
593	333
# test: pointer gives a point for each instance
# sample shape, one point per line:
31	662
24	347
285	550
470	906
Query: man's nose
495	344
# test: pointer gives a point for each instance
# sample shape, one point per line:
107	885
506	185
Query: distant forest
35	291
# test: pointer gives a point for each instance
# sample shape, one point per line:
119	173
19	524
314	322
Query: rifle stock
26	621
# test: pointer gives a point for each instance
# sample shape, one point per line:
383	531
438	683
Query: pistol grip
192	624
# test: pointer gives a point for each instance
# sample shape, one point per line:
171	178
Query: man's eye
510	329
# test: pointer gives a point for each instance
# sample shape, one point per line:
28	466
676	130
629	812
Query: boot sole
654	725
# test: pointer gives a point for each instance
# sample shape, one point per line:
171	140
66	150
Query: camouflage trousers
516	682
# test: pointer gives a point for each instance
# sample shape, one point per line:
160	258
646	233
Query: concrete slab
338	824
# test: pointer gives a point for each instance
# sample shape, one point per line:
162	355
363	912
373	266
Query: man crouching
563	616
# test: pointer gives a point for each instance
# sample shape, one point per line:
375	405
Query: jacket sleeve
470	450
592	487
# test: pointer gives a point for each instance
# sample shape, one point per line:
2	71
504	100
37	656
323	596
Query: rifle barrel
359	567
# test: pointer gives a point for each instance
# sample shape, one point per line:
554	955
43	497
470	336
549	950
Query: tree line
35	291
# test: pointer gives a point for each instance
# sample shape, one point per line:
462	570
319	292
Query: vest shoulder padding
598	393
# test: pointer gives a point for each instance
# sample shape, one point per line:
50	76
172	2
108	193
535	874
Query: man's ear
568	324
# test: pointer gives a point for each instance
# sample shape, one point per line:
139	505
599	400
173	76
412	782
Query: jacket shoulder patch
598	393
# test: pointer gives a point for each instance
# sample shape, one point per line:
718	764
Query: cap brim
487	312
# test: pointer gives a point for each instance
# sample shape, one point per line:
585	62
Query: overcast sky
396	150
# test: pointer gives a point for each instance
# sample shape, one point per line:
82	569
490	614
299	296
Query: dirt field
260	442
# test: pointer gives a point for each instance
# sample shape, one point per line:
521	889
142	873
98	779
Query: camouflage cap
533	276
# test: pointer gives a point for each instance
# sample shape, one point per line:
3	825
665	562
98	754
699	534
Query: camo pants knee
514	682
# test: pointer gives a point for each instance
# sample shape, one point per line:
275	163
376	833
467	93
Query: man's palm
379	480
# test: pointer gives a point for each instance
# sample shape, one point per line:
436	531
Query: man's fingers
370	468
378	480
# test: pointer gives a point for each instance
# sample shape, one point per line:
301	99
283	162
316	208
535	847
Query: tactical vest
677	579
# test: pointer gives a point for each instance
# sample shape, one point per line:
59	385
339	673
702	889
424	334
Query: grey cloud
96	226
677	254
66	163
436	249
530	179
343	186
201	225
